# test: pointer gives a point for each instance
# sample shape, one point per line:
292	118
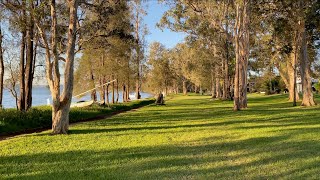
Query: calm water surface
41	94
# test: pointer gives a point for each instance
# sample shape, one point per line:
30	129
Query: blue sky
165	36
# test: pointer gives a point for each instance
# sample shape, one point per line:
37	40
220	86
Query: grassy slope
189	138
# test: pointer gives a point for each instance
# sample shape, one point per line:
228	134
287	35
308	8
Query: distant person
160	99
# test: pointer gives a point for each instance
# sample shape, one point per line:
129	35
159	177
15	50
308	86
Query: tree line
83	44
230	39
108	36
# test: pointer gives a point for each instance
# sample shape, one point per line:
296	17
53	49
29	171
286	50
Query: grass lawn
191	137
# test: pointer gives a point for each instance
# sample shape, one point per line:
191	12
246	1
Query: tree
182	64
84	78
61	101
30	59
12	67
1	66
211	22
139	30
290	20
22	19
108	43
160	75
305	64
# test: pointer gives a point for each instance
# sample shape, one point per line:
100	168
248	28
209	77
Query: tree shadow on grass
274	153
251	118
260	157
185	112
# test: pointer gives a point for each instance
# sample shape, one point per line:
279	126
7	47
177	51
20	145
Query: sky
165	36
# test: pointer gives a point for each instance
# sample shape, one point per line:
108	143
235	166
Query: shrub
273	85
317	87
13	121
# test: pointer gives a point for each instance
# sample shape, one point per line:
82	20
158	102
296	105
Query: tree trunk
94	96
213	84
231	87
94	92
128	81
217	81
107	94
102	91
60	119
293	93
218	88
225	92
128	89
243	84
226	88
113	100
138	96
242	54
21	104
287	73
22	73
117	99
35	56
1	68
137	37
307	99
127	93
60	115
29	60
283	74
184	87
236	105
124	96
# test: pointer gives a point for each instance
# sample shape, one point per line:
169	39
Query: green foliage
192	137
273	85
317	86
191	62
12	121
161	72
108	42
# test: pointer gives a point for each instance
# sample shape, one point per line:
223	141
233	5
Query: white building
299	84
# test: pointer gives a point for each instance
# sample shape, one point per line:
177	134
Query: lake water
40	95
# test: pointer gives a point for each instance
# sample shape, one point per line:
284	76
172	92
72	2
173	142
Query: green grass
191	137
13	121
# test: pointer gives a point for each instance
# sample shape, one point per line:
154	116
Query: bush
273	85
13	121
317	87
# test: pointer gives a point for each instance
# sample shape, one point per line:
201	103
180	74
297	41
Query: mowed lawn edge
191	137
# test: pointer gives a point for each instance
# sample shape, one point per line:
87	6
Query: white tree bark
61	101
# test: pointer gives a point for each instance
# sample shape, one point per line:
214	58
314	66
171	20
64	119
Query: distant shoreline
41	94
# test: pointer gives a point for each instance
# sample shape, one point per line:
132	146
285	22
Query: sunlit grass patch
191	137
